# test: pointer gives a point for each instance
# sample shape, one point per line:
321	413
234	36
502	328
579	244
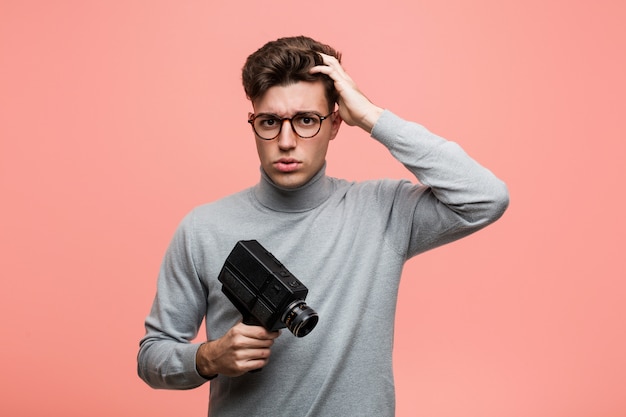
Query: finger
341	79
321	69
253	353
255	364
336	73
330	64
252	358
259	332
329	60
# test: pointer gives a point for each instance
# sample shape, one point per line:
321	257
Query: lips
287	164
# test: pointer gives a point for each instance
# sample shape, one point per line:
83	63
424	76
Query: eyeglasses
267	126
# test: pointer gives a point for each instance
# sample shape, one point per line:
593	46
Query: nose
287	137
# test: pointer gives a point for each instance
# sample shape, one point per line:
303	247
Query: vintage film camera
264	291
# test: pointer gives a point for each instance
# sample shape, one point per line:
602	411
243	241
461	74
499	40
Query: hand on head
354	108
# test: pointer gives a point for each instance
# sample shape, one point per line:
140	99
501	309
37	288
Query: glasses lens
306	125
266	126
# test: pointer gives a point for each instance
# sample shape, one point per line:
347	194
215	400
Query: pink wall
117	117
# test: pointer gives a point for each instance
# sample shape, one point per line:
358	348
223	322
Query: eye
267	122
307	120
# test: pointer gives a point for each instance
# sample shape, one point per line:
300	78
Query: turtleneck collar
303	198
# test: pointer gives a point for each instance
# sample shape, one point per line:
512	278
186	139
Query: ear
335	123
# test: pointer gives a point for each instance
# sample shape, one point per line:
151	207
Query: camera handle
249	320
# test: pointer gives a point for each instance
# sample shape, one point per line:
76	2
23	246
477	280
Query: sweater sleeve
167	356
456	197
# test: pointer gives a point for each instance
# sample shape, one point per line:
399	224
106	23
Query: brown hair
286	61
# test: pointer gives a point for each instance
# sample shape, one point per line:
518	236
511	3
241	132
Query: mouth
287	164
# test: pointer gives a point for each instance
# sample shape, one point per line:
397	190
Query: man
347	242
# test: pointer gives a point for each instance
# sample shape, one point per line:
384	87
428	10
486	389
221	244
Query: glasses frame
252	117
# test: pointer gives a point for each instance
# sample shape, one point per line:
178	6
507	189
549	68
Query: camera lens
299	318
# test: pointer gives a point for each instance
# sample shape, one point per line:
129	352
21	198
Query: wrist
370	118
203	365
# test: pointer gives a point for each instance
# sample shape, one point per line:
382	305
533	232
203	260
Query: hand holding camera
242	349
269	298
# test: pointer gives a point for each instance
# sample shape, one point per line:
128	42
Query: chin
290	180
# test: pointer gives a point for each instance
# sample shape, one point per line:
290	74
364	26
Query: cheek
318	150
261	150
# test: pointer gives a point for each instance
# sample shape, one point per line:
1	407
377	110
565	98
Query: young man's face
289	160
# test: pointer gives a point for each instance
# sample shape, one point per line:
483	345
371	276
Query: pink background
117	117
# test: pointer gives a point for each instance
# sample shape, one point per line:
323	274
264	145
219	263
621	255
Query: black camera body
264	291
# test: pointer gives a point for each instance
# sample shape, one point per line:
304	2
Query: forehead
286	100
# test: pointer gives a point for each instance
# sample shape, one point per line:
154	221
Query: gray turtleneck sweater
347	242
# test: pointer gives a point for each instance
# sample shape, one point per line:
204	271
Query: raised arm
456	195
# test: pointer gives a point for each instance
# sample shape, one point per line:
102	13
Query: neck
303	198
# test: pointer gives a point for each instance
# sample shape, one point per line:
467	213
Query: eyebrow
299	113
